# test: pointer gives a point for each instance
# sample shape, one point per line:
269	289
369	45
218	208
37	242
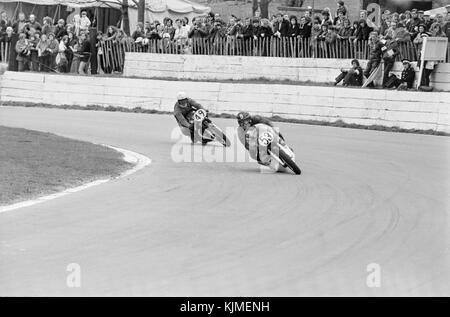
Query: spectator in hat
406	80
352	76
427	21
420	14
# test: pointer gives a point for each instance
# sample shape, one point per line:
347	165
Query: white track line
140	161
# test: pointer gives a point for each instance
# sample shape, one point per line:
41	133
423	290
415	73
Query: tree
141	11
125	18
264	7
254	6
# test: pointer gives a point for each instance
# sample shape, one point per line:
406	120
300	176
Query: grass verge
34	164
337	123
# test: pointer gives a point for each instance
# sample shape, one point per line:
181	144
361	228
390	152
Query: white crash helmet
181	95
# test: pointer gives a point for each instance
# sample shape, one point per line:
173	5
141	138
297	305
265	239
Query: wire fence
5	48
111	54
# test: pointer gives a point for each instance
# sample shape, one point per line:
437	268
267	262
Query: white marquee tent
155	9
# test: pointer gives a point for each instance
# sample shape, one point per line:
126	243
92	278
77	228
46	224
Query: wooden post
422	63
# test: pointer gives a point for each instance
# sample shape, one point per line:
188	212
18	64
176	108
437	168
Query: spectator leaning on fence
405	30
181	32
304	28
390	52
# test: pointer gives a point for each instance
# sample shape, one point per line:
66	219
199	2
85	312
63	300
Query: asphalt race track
225	229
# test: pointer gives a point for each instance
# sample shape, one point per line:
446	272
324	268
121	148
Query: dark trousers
349	79
371	66
388	65
45	61
34	61
24	64
425	81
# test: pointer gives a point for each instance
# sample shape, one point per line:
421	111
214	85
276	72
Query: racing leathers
183	112
262	157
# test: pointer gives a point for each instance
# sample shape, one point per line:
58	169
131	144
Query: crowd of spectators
47	46
328	26
67	48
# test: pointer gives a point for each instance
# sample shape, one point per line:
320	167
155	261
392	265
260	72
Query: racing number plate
265	138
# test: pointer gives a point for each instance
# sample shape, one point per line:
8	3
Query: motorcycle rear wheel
219	135
289	162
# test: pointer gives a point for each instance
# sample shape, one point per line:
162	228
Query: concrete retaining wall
209	67
409	110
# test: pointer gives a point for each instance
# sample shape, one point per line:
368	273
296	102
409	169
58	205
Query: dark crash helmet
243	117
